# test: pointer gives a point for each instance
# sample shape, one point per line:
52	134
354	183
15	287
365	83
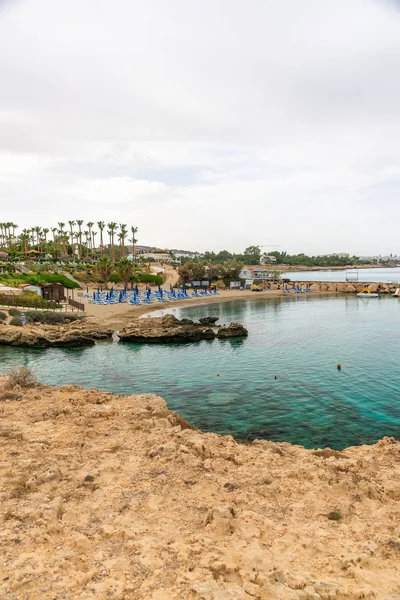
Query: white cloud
212	124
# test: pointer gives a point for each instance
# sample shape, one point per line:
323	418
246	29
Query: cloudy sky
207	124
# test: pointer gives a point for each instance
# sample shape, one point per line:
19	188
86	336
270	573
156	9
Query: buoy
217	374
339	367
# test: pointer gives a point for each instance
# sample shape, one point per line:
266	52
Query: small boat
367	294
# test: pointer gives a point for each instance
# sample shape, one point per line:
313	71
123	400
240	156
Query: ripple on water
298	340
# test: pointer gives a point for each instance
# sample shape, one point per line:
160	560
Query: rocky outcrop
169	329
47	336
107	496
233	330
208	321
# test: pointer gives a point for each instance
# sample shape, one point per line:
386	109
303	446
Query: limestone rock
233	330
314	287
208	320
47	336
169	329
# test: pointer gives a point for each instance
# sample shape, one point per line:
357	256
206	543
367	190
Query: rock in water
233	330
208	320
163	330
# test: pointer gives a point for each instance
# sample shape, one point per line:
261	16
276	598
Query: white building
157	257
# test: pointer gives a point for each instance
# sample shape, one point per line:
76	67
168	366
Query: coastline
119	315
117	496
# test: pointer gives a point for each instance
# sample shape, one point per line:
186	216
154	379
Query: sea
389	275
281	383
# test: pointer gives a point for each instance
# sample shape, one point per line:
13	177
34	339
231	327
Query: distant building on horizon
268	260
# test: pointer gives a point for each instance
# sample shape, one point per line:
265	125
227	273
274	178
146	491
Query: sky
207	124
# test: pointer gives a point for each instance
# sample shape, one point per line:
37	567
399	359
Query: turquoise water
299	340
388	275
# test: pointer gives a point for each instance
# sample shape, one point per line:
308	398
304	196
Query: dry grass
20	376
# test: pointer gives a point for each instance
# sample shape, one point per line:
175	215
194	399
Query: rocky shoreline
157	330
53	336
105	496
169	329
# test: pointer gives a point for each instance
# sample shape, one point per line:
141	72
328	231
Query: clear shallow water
299	340
378	275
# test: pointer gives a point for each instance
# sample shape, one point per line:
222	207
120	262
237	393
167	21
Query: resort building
157	257
267	260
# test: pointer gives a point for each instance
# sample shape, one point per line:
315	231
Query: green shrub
16	321
51	318
14	312
115	278
147	278
334	515
3	316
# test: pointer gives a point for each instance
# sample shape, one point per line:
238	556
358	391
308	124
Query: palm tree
71	224
88	239
80	223
125	269
101	225
133	240
122	236
89	226
45	232
38	231
94	233
104	267
24	239
111	232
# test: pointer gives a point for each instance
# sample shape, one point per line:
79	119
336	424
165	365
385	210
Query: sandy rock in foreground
106	496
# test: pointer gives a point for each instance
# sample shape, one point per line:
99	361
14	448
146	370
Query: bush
14	312
21	376
114	278
147	278
16	321
334	515
3	316
51	318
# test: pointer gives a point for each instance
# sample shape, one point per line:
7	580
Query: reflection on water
280	383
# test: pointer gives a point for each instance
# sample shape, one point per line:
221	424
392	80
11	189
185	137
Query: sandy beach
119	315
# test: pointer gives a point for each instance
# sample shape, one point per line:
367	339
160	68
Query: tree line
252	255
65	240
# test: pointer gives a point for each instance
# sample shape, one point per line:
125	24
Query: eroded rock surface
233	330
74	335
106	496
169	329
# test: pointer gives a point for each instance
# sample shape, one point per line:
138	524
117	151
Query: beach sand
119	315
